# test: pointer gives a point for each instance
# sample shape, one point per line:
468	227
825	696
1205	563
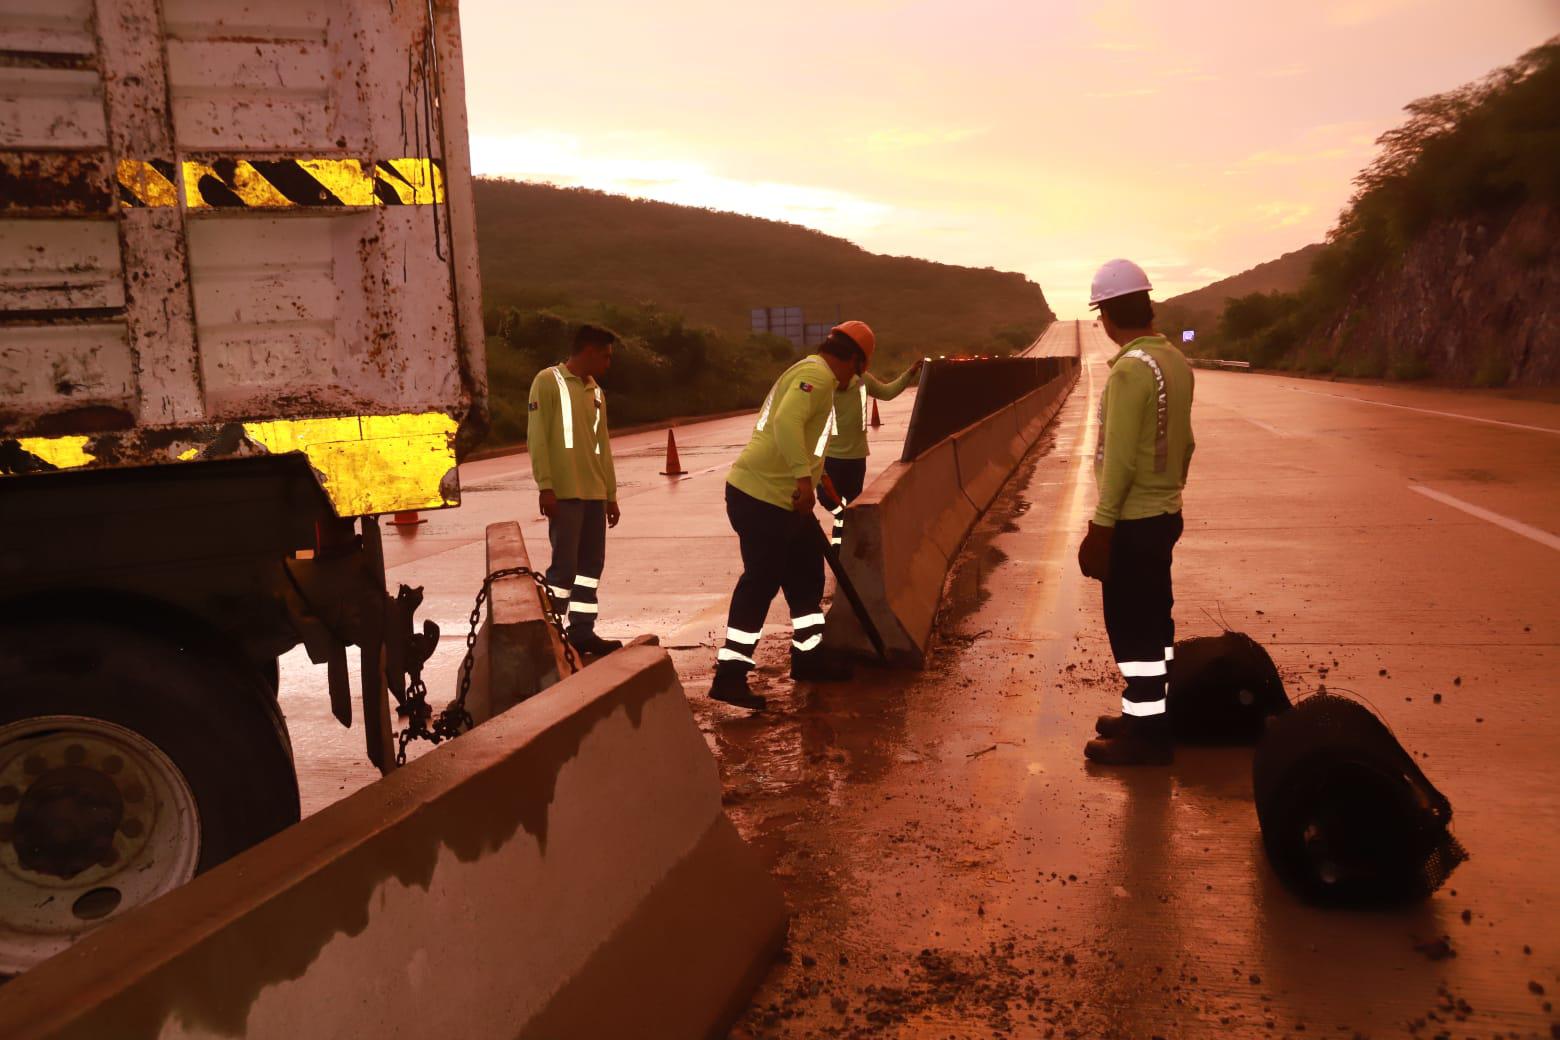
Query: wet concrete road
953	867
956	869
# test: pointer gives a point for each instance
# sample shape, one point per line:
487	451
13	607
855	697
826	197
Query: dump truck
240	321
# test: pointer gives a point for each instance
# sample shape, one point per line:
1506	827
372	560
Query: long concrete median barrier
905	530
564	870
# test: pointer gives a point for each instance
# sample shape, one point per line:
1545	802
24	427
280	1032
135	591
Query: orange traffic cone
877	420
408	519
673	463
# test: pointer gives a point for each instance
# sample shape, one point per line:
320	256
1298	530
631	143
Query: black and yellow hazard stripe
269	184
144	183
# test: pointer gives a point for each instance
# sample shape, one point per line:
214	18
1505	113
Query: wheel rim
94	820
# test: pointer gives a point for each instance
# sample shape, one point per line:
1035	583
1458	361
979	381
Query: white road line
1538	535
1259	424
1427	411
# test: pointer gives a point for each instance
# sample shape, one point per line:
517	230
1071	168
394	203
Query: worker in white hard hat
1140	466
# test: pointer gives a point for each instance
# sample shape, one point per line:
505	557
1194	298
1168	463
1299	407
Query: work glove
831	497
1094	553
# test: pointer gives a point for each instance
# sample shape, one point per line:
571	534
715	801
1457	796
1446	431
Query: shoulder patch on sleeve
534	405
805	386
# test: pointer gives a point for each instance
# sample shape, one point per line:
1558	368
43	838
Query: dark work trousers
848	477
578	532
779	553
1138	601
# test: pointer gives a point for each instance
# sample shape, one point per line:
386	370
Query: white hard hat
1117	278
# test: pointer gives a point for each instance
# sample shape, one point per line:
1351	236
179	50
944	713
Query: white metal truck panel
218	217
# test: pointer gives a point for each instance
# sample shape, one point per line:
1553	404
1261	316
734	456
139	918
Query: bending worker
1141	464
571	459
770	493
845	459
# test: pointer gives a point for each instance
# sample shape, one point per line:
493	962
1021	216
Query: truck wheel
129	763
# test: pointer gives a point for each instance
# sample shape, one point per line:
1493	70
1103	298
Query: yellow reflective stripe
344	178
252	190
371	464
416	182
143	184
68	452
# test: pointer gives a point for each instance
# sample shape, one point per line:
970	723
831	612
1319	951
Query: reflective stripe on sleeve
1161	411
863	403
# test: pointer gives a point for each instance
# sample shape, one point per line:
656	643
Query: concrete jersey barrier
565	870
905	530
518	652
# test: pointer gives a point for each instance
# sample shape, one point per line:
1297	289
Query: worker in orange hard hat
770	493
845	459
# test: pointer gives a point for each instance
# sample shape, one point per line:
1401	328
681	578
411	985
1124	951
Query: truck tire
130	761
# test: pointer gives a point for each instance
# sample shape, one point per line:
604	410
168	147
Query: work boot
731	687
1137	742
815	666
1111	725
592	645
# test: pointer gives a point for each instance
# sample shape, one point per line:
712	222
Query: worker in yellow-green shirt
770	494
845	459
576	483
1140	465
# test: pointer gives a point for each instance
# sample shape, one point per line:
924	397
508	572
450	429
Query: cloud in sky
1044	138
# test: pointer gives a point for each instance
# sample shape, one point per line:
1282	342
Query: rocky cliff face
1474	301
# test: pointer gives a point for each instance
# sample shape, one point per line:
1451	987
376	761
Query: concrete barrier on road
518	652
565	870
905	530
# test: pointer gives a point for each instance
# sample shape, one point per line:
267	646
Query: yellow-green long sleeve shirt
567	439
1146	444
790	436
851	412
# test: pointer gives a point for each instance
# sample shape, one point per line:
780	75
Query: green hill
1445	262
678	284
1286	274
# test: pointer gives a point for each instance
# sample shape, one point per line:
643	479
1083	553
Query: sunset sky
1198	137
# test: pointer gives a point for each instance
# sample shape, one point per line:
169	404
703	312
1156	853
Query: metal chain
455	719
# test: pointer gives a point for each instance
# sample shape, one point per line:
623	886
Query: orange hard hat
860	333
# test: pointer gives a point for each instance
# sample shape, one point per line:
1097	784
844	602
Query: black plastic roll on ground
1223	689
1347	817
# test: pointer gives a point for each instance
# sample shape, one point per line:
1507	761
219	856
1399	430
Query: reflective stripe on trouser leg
740	647
1137	598
839	523
806	632
583	606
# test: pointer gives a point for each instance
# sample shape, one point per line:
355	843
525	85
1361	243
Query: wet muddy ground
955	870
